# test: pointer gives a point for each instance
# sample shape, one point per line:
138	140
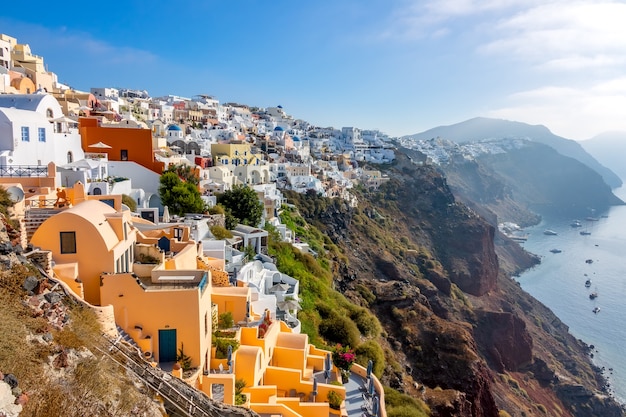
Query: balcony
21	171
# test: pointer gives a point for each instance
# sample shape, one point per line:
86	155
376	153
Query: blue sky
400	66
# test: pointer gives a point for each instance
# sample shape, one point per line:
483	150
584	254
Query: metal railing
23	171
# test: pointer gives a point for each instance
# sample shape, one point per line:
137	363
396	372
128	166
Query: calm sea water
559	283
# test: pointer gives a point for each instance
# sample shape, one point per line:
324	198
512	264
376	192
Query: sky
400	66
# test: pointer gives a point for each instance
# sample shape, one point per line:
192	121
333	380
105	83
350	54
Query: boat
549	232
596	310
576	223
556	250
588	283
593	295
592	219
585	233
589	261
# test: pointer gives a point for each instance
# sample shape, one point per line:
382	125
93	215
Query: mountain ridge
480	128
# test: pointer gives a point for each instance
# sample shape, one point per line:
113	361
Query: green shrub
340	329
334	400
225	320
183	359
371	350
365	292
220	232
240	397
221	347
217	209
366	322
401	405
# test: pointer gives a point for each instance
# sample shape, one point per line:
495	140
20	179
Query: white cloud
563	35
574	113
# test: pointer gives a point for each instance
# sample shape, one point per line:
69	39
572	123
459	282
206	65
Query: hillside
609	148
460	331
481	128
527	180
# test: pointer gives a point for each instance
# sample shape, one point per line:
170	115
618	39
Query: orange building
128	144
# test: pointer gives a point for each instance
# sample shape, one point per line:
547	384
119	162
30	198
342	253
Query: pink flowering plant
343	357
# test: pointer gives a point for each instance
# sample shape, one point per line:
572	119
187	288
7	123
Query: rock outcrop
454	321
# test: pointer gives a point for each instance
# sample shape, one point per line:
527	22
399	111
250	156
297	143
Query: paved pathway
355	400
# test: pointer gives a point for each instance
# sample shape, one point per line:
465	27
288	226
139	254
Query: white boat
550	232
576	223
588	283
596	310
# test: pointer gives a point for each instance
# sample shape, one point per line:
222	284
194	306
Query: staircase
35	217
187	400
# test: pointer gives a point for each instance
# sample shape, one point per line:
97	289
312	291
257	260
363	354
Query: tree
185	172
243	204
180	197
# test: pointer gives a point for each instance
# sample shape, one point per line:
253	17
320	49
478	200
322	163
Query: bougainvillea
343	357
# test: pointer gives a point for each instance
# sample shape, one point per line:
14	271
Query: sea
559	283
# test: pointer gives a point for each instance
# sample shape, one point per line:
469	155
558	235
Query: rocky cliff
465	337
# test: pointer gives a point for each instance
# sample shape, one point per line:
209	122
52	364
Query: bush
183	359
240	397
339	329
343	357
225	320
220	232
221	347
217	209
371	350
366	322
365	292
401	405
334	400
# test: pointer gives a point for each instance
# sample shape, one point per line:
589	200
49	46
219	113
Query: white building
34	131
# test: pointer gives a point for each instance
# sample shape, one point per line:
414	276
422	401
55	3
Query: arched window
70	157
97	191
49	113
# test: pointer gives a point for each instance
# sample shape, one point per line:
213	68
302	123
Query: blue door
167	345
164	244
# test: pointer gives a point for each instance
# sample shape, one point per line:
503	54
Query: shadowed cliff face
454	322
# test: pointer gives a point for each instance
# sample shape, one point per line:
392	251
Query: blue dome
174	127
296	139
278	129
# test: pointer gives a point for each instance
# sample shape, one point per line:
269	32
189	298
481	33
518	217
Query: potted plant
343	358
334	400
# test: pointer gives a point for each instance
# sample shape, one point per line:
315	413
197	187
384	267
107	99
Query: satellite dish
16	194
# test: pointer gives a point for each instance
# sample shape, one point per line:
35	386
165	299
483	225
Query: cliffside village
164	282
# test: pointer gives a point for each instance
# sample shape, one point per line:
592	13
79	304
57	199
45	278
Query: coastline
546	283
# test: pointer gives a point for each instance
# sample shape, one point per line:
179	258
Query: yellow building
87	240
234	154
167	296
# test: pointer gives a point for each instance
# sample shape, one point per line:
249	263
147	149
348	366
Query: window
68	242
25	134
49	113
124	155
42	134
70	157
